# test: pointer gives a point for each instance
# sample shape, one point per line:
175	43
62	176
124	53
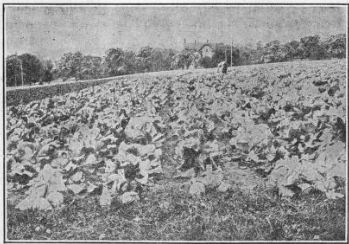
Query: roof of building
206	44
194	45
197	46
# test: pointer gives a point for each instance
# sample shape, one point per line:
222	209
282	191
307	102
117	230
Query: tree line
309	47
27	69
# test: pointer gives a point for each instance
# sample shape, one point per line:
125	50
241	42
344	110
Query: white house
205	49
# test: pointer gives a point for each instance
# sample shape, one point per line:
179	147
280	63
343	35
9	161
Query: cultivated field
258	154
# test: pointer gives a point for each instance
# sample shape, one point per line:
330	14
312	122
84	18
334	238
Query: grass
169	213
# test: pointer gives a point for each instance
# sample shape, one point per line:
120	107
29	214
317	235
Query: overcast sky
51	31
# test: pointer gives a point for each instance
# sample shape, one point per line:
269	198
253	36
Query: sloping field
26	94
189	155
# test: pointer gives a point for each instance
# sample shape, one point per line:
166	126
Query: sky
51	31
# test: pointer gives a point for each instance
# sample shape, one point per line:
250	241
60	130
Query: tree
291	50
26	66
220	52
91	67
65	66
113	61
47	66
32	68
206	62
186	59
258	54
311	48
145	52
236	56
159	59
156	59
13	71
144	58
70	65
130	62
335	46
259	45
273	52
218	55
245	57
77	65
168	56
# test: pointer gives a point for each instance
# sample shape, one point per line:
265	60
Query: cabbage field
274	126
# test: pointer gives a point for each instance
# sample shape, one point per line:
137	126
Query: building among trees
205	49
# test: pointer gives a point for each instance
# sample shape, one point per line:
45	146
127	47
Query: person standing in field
222	68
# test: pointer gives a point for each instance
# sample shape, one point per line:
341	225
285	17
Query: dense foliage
112	140
119	62
26	68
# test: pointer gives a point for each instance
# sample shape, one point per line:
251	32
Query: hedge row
28	94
